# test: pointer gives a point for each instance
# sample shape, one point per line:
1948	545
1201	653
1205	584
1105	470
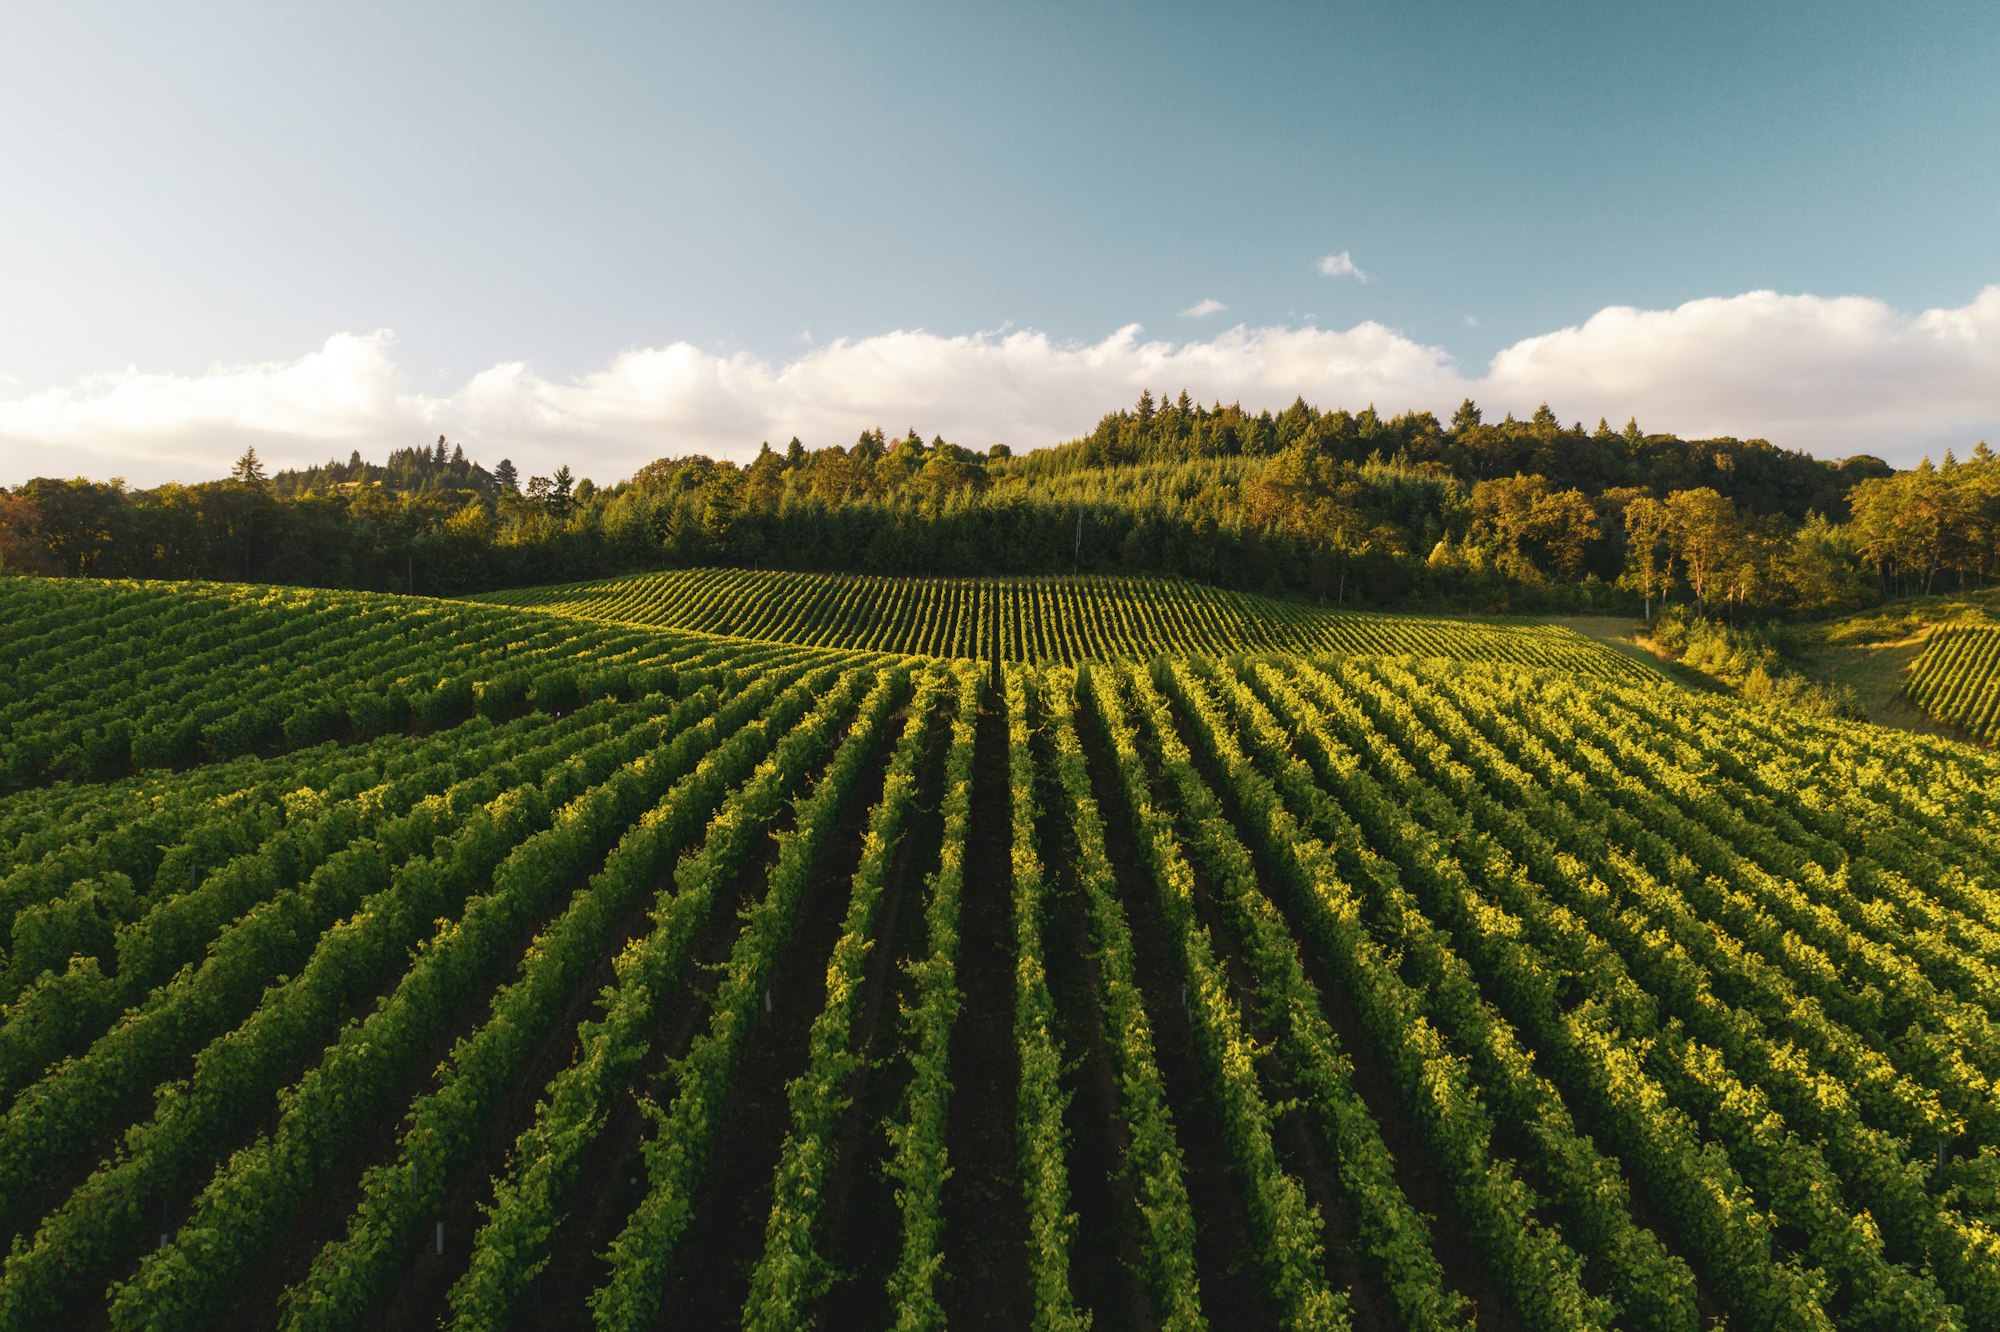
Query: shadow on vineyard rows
725	1234
986	1233
1225	1253
612	1176
1456	1249
1298	1149
861	1224
1107	1260
416	1299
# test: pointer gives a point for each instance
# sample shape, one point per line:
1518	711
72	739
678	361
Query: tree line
1335	506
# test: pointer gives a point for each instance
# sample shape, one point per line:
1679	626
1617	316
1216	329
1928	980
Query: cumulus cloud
1835	376
348	393
1845	374
1021	387
1340	265
1201	309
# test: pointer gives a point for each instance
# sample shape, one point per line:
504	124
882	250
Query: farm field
1038	620
1956	679
384	962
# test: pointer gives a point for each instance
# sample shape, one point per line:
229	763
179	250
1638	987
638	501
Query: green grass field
1885	657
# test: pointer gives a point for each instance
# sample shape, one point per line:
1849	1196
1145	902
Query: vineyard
1040	620
382	962
1957	679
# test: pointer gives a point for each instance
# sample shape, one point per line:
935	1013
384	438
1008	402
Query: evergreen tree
249	468
507	478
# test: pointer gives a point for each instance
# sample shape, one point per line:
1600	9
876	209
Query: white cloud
349	393
1201	309
1340	265
1835	376
1471	322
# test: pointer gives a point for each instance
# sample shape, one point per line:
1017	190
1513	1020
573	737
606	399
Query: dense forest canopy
1335	506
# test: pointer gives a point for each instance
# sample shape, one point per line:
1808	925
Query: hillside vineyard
1957	680
1061	620
383	962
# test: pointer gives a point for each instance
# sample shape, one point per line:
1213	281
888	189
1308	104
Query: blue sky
608	232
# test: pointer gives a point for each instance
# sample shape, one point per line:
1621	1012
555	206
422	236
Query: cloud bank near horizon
1834	376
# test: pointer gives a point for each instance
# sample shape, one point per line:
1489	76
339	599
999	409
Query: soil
1107	1254
1315	1168
861	1227
986	1225
288	1259
1224	1249
725	1233
1458	1251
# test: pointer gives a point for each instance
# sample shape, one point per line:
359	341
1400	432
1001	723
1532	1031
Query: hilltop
1051	619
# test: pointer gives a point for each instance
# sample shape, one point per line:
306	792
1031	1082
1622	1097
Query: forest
1335	507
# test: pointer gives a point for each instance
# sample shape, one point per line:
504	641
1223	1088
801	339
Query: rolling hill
374	960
